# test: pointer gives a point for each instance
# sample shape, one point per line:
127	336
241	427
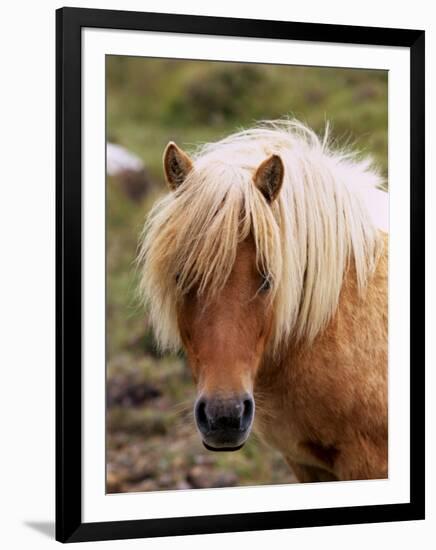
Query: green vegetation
152	101
152	442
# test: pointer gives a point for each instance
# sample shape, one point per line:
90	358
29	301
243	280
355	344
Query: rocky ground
152	442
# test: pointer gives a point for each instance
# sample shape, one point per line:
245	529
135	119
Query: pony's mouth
223	449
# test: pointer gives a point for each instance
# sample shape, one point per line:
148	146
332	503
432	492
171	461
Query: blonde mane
305	240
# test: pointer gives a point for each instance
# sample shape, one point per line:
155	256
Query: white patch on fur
377	202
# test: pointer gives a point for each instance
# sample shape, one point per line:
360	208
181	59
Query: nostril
201	416
247	414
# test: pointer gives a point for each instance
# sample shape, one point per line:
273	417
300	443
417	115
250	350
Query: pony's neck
290	350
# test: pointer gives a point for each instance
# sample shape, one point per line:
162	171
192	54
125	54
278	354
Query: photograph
247	253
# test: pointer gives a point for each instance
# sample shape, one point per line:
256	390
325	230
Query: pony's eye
177	277
266	284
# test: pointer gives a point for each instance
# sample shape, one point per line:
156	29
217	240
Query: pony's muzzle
224	422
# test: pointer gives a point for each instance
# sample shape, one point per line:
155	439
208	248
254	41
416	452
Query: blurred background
152	442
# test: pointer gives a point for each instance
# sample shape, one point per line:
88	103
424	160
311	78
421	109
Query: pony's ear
268	177
177	165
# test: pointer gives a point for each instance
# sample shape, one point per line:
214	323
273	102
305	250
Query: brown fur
225	340
331	398
324	406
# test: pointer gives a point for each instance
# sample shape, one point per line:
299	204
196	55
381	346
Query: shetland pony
266	263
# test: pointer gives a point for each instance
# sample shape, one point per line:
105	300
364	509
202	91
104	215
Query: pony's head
230	263
225	312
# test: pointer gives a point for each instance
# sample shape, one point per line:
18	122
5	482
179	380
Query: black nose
224	422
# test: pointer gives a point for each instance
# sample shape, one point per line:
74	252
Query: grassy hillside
152	443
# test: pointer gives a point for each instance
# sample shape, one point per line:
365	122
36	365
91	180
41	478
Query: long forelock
304	241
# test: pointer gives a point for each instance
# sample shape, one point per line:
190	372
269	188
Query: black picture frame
69	525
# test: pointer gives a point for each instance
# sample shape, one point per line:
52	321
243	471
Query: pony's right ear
177	165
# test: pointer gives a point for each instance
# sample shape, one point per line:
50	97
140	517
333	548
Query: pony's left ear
268	177
177	165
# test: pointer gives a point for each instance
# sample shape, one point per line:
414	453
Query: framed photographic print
240	275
